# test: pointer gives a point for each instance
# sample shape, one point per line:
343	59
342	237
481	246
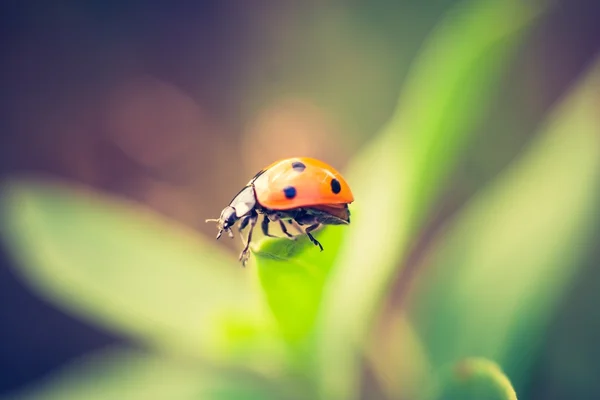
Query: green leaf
506	263
396	179
129	374
398	359
292	274
476	379
126	268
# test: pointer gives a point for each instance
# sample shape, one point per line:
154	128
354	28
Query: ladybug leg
245	254
297	226
284	229
265	227
311	237
244	222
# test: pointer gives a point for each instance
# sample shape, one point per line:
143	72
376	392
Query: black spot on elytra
335	186
290	192
298	166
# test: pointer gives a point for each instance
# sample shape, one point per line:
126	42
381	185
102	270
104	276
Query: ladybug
305	192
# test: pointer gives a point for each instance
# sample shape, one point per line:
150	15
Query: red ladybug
301	190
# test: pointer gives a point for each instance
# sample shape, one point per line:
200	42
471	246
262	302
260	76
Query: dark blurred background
177	106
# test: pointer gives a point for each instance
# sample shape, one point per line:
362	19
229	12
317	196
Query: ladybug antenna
217	220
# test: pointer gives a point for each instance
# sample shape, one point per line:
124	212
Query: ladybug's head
242	204
225	221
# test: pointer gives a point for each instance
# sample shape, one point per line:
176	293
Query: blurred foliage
475	379
299	323
436	114
294	292
126	374
124	267
491	288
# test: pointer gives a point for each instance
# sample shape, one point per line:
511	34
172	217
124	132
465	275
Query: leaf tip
476	378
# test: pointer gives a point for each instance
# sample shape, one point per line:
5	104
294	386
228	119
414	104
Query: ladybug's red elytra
299	190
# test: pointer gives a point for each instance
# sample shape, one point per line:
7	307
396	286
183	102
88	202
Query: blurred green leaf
396	179
292	274
398	359
132	375
475	379
126	268
504	266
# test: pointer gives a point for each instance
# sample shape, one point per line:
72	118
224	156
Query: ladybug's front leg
244	222
245	254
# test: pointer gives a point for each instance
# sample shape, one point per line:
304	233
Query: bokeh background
177	106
